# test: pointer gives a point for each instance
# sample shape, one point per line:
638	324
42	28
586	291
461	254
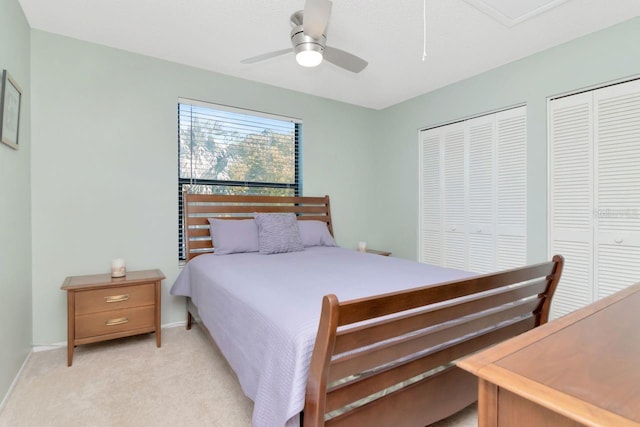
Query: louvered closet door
511	166
473	193
570	203
454	196
617	195
481	212
431	197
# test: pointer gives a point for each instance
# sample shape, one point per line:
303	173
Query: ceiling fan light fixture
309	58
309	40
309	51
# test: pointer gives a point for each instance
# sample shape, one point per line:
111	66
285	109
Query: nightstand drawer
110	322
116	298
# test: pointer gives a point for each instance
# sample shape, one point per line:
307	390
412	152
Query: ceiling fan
309	40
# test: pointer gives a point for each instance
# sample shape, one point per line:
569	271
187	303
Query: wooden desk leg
158	311
487	404
71	330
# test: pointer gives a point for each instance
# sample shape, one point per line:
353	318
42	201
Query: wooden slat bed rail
198	208
410	340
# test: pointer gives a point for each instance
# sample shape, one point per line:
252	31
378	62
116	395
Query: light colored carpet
130	382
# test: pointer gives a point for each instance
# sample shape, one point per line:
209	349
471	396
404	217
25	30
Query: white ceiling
216	35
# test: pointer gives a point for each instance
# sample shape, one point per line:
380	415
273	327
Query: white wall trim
174	324
52	346
473	116
14	382
592	87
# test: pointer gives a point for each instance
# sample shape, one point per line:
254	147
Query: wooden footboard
397	368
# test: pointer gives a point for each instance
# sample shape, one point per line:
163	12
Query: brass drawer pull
116	298
118	321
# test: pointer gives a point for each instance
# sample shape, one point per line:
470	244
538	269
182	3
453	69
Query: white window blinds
224	150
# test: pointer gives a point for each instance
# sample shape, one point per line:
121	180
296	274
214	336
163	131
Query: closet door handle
618	240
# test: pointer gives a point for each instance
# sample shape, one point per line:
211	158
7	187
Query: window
224	150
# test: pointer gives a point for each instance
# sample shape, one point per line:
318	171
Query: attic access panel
510	12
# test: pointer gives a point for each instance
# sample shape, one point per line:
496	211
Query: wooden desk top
585	366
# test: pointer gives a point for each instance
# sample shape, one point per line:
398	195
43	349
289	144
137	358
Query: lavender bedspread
263	312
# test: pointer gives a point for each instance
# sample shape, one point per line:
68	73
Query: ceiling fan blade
264	56
344	59
316	17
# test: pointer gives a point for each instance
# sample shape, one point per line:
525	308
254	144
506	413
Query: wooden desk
580	370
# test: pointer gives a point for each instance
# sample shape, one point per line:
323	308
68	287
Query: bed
280	323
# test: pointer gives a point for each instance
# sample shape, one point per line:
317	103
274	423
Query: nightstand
374	251
101	307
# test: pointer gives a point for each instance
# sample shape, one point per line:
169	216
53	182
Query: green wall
104	163
608	55
103	181
15	210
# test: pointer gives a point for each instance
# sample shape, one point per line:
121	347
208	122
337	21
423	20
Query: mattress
263	312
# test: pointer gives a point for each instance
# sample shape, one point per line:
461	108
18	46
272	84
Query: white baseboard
63	344
53	346
15	381
174	324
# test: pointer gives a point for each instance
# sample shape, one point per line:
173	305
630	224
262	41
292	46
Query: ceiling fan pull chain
424	30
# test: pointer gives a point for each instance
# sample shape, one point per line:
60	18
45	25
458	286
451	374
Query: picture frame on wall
10	101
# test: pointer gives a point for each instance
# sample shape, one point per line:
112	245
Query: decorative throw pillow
315	233
232	236
278	233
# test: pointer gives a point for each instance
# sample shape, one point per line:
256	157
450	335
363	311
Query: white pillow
232	236
315	233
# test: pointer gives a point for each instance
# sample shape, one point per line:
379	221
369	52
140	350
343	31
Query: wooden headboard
199	207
